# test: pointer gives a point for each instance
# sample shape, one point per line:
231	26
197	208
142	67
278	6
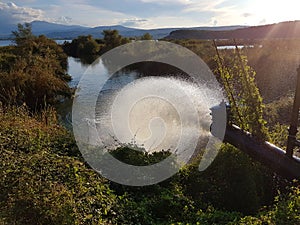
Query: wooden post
291	143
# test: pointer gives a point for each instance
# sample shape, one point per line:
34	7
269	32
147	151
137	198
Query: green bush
41	181
44	188
279	111
155	205
285	211
22	131
233	182
33	72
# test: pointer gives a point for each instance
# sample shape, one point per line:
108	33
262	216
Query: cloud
134	22
263	21
205	5
247	15
64	20
88	15
10	13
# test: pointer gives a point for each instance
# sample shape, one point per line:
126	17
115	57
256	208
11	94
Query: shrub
40	182
233	182
22	131
285	211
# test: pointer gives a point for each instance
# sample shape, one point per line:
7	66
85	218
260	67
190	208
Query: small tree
87	46
23	33
238	79
112	38
147	36
38	74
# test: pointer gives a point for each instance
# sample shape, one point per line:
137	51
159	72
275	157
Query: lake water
76	69
112	81
233	46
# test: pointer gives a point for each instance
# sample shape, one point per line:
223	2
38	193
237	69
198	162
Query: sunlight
269	11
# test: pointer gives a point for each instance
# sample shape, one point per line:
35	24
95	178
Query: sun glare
276	11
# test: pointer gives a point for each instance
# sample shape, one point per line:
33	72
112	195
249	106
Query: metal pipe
264	152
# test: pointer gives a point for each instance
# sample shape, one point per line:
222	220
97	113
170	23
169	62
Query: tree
113	39
38	75
147	36
24	33
246	102
87	46
83	47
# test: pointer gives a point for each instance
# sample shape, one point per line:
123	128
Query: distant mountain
6	29
282	30
42	27
124	31
60	31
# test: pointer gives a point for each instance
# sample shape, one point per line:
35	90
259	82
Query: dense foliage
84	47
42	179
245	100
34	72
146	36
89	49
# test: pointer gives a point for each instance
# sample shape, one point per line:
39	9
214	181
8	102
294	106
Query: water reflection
103	67
89	59
76	70
114	81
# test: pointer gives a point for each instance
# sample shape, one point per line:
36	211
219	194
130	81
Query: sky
150	13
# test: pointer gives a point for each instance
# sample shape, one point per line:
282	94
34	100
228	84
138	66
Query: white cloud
247	15
263	21
10	13
93	16
204	6
173	21
64	20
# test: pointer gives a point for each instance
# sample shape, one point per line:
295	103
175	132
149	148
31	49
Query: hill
60	31
284	30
